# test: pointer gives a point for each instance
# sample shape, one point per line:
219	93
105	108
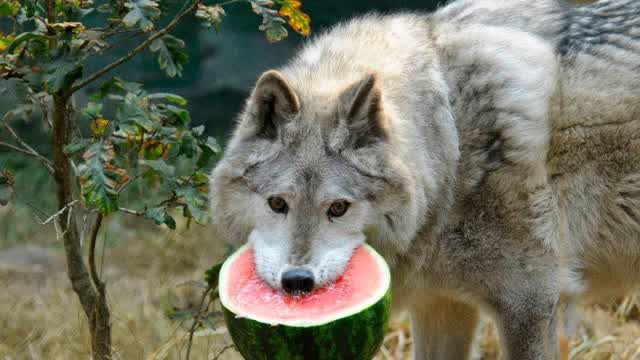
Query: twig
196	321
61	230
26	148
229	2
92	254
222	351
71	204
104	250
13	147
132	212
139	48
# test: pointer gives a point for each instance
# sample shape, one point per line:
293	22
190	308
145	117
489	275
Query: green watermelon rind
354	334
355	337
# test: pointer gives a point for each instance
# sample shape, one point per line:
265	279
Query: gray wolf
489	150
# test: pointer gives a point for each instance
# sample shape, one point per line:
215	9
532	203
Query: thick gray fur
490	151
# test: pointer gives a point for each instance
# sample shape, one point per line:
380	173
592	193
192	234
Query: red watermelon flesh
253	298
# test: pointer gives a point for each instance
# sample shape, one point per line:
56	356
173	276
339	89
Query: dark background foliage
223	66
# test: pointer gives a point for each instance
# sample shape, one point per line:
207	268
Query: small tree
125	135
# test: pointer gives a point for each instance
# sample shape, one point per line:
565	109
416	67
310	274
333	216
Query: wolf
489	150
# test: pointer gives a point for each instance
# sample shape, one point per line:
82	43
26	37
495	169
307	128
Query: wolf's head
307	175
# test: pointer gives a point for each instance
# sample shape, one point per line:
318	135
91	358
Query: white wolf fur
490	151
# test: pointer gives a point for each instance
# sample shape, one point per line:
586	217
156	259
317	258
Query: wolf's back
607	30
600	67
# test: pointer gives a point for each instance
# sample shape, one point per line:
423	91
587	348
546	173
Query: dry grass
40	317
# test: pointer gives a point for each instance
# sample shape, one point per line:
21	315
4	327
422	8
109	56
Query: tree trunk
92	296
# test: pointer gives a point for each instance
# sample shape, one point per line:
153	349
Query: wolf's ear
361	108
272	102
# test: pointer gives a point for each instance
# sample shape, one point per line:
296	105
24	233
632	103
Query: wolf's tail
608	30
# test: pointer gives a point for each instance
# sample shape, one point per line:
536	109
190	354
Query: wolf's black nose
297	281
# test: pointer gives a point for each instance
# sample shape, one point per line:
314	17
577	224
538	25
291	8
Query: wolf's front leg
527	325
443	329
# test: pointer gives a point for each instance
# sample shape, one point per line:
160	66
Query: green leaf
9	8
61	73
76	146
259	6
29	9
210	15
24	37
93	110
160	216
172	98
153	149
116	84
160	166
273	28
199	177
170	56
195	202
212	144
211	276
210	147
272	24
143	13
198	130
180	113
188	146
99	178
5	42
134	109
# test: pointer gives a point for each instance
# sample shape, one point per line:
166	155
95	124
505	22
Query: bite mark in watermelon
343	320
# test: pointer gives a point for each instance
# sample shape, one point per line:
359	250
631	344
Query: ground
40	317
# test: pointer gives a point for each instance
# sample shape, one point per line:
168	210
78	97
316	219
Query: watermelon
346	319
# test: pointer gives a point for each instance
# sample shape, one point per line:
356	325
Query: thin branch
92	254
136	50
28	149
15	148
230	2
104	246
100	317
196	322
132	212
222	351
118	32
71	204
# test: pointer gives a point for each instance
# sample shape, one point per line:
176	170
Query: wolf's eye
278	205
338	208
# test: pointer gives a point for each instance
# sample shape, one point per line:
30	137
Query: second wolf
490	151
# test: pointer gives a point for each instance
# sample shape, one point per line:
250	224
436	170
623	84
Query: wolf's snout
297	281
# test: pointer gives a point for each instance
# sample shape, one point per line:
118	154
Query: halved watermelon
344	320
